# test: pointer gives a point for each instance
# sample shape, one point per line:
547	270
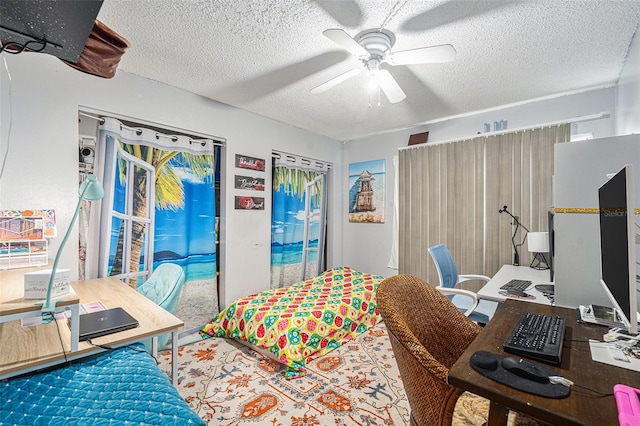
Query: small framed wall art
249	182
251	163
246	202
366	191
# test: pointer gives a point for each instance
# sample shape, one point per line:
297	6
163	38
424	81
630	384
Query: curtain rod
305	161
216	140
518	129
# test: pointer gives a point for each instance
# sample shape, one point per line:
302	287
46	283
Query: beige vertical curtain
451	193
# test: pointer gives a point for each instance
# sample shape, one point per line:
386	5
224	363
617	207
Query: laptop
101	323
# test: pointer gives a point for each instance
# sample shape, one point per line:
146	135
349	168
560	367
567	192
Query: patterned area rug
227	383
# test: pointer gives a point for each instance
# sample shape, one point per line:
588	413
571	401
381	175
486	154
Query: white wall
529	114
41	104
367	246
577	237
628	93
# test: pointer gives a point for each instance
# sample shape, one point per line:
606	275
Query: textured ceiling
264	56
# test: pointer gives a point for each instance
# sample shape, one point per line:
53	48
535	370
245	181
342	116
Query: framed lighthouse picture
366	191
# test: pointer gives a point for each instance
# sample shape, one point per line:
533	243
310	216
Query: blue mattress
123	386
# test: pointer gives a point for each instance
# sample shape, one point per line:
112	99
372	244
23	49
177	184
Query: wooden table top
583	406
12	299
26	347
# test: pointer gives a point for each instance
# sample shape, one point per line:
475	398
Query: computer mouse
484	360
516	292
524	369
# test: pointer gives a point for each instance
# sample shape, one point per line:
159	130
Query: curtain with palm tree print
159	204
298	219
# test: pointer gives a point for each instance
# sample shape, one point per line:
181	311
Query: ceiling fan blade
390	87
424	55
340	37
335	81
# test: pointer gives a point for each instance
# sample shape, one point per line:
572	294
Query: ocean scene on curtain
366	191
298	193
161	209
184	233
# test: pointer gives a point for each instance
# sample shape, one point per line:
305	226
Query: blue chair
478	310
163	287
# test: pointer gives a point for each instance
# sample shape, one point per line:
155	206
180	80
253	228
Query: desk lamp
90	190
516	222
538	244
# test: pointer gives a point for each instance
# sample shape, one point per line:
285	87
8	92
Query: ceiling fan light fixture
373	67
374	89
377	43
373	64
374	81
373	75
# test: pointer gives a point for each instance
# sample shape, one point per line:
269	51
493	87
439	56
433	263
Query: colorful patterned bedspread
304	321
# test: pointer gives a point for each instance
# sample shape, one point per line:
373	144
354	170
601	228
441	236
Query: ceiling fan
373	48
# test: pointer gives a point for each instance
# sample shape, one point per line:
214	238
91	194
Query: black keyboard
516	285
538	337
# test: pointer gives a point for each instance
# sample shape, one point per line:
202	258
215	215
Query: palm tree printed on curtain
169	192
288	221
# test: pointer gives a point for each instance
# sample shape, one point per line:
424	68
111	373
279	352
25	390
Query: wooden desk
582	407
507	273
26	349
13	306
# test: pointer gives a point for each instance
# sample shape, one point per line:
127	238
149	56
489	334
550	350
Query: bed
122	386
304	321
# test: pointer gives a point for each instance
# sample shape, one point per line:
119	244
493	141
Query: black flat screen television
64	25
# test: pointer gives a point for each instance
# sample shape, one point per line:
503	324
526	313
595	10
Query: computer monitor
552	242
617	245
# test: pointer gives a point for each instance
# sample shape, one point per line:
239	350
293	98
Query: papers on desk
505	293
601	352
610	352
602	315
84	308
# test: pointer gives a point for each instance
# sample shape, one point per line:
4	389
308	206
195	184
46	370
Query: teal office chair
478	310
163	287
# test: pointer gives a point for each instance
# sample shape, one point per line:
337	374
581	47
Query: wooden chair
428	334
